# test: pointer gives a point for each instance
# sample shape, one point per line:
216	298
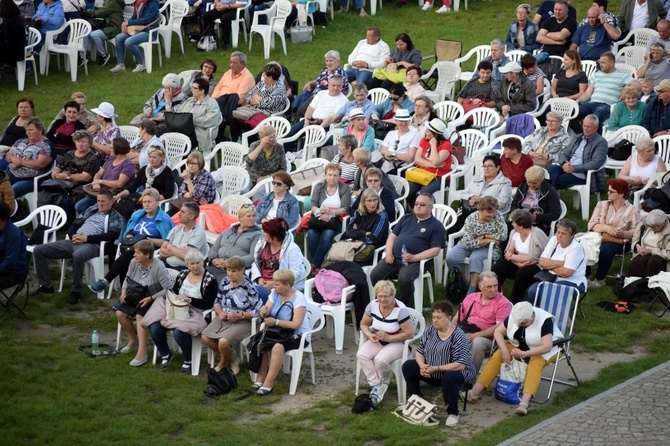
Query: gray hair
656	218
522	312
487	275
333	54
643	143
498	42
592	118
240	55
37	122
194	256
361	87
568	224
555	115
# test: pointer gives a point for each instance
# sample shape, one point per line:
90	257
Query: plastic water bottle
403	251
95	340
239	140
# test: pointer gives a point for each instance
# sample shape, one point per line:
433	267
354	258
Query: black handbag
135	292
544	276
467	326
220	382
621	150
59	186
316	223
381	128
267	338
181	123
129	242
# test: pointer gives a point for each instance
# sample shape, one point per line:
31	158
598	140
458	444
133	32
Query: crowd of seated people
86	149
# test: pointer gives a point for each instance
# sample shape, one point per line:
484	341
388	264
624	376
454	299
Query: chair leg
21	74
118	336
295	371
196	354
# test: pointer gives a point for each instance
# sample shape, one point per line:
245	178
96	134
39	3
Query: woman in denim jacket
287	205
529	29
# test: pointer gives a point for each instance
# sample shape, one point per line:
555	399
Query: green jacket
112	12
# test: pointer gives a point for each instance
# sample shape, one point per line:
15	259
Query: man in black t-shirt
556	32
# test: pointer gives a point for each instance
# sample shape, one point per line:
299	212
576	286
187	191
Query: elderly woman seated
423	114
236	304
479	91
545	144
538	196
194	286
527	334
519	262
481	228
205	111
166	98
16	128
386	325
642	165
28	158
198	185
266	156
615	219
563	257
442	359
207	69
61	131
376	180
651	245
368	224
514	163
139	147
628	111
237	241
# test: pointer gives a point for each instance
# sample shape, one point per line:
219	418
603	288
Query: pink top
485	315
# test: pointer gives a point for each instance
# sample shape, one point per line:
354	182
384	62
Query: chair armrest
563	340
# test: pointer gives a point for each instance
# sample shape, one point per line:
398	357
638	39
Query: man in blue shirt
13	255
657	117
594	38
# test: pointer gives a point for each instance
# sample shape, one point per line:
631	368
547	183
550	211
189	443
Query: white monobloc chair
177	146
34	38
281	125
276	18
316	323
337	312
178	9
75	44
419	323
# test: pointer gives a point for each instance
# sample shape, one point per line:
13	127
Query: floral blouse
263	165
106	136
474	229
29	152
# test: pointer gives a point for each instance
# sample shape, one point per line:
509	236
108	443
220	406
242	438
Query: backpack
458	287
220	382
330	284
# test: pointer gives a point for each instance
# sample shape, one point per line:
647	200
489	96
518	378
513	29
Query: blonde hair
284	276
535	173
385	285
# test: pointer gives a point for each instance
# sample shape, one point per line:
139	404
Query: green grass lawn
54	394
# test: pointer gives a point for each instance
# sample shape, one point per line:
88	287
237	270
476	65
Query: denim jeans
124	41
20	186
562	180
319	243
159	336
98	38
360	76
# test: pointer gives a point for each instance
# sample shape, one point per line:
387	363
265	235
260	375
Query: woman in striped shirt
442	359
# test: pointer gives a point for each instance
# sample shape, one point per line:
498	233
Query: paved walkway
636	412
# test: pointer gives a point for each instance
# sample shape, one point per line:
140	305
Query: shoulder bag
304	179
418	411
135	292
135	29
420	176
344	250
267	338
467	326
175	309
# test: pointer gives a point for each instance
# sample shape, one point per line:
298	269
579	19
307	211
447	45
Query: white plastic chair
457	5
655	181
630	132
53	217
663	144
287	105
276	18
448	73
515	55
78	29
129	132
564	211
261	188
178	9
581	194
337	312
239	23
185	75
148	46
448	110
640	37
177	146
31	197
478	52
589	67
281	125
34	38
632	55
235	180
232	154
419	323
483	118
401	187
315	137
447	216
568	108
378	95
93	269
316	323
626	69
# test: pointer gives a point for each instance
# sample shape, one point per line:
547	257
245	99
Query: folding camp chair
445	50
558	300
662	294
11	296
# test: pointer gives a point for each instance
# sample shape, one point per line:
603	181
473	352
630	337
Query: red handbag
469	103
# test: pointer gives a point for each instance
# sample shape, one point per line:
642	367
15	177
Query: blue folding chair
561	301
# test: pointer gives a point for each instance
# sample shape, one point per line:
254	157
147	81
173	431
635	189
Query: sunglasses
277	183
394	98
247	205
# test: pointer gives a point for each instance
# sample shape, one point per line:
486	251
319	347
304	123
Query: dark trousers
227	103
226	16
523	277
119	267
450	383
607	252
159	336
405	275
562	180
645	266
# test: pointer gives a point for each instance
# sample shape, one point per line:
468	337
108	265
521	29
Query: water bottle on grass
95	340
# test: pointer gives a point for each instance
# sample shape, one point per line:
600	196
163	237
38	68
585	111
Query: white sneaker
452	420
445	10
381	391
139	68
117	68
426	6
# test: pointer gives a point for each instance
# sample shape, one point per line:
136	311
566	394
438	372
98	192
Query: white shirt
573	256
406	141
640	15
374	55
325	105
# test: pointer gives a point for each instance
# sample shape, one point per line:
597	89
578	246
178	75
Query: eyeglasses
277	183
193	164
490	166
420	204
247	206
394	98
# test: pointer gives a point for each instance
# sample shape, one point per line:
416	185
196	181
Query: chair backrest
280	124
53	217
590	67
447	49
472	140
515	55
178	10
401	186
447	75
185	75
78	30
316	318
626	69
34	38
231	204
567	107
234	180
282	12
558	300
378	95
631	132
261	188
445	214
314	162
399	213
418	322
633	55
232	153
643	36
484	117
129	132
450	110
177	146
315	136
663	144
564	211
480	52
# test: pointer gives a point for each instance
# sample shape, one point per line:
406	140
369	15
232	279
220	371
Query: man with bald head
594	38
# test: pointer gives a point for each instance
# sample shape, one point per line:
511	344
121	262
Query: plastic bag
509	388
